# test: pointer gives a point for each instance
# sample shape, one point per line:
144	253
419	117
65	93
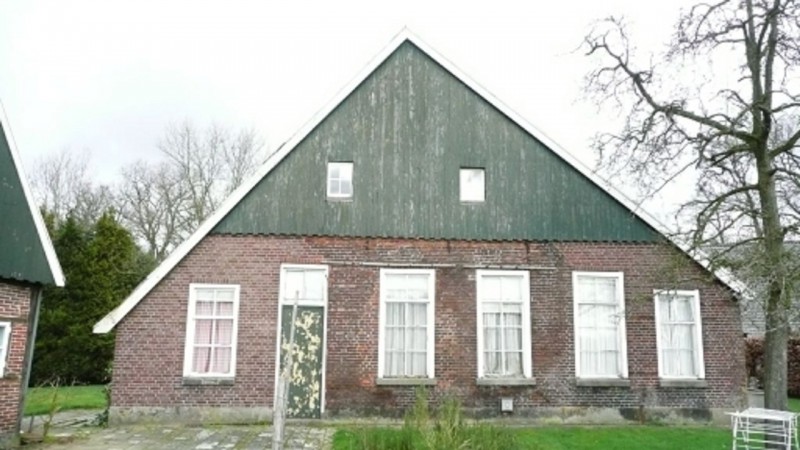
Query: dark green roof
23	256
408	128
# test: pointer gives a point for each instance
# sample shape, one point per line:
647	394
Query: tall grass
445	429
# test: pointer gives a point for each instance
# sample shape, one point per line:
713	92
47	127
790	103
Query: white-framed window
305	283
340	180
504	324
5	343
679	334
472	185
211	330
406	338
600	343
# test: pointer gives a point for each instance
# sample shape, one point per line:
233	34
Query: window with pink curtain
214	321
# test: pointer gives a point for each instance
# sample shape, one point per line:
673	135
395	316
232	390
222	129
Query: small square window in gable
472	185
340	180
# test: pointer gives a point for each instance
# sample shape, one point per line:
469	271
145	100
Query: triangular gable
110	320
26	252
408	129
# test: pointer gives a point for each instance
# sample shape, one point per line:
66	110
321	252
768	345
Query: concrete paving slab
215	437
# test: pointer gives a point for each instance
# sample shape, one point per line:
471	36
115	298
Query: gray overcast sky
108	76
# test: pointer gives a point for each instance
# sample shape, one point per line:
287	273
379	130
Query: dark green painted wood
408	129
305	387
22	256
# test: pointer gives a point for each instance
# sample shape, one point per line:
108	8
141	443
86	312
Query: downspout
33	323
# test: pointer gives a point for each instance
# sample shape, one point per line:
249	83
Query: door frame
278	330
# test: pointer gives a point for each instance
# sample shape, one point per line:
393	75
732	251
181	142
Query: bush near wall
755	363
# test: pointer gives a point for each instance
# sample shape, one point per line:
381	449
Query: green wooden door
305	387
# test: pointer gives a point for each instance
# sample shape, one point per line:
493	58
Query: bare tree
683	112
62	186
210	164
151	199
162	203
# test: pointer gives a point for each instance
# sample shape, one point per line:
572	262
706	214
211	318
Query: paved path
71	432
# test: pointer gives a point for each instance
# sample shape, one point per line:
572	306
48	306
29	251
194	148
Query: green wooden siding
22	256
408	129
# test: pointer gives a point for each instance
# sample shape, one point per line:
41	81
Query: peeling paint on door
305	388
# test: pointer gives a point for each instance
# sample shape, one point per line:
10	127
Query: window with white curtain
406	324
679	334
504	330
5	343
211	331
600	347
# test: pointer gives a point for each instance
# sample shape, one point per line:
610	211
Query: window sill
340	199
679	383
603	382
405	381
208	381
499	381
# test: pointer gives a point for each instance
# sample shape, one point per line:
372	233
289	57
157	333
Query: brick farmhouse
428	236
27	263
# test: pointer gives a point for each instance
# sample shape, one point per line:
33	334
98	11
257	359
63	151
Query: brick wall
14	308
150	341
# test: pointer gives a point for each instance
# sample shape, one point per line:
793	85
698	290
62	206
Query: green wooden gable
22	253
408	128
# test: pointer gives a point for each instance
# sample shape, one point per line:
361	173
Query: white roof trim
111	319
41	229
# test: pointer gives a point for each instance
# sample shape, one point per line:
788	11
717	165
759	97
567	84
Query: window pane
202	331
224	294
491	288
224	309
513	364
512	289
682	310
293	287
333	172
204	308
491	363
418	363
206	294
222	360
201	360
346	171
395	314
596	289
346	188
315	285
224	332
472	185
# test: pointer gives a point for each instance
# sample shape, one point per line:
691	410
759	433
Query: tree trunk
776	333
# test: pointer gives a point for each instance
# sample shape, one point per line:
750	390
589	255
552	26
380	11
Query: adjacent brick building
427	236
27	262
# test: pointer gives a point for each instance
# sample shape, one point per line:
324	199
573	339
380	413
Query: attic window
472	185
340	180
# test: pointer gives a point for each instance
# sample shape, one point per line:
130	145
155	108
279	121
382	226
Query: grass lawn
39	400
624	438
573	438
